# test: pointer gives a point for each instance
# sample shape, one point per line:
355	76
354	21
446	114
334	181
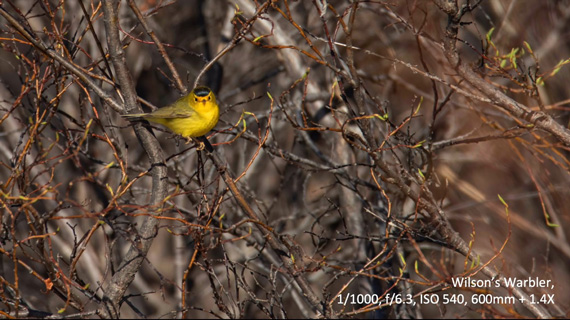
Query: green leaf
488	36
475	263
550	224
505	204
306	74
559	66
383	117
490	42
503	201
512	56
237	11
419	105
402	259
528	47
419	144
422	175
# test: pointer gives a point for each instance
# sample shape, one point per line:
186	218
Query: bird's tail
133	116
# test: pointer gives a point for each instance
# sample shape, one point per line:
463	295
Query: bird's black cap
202	91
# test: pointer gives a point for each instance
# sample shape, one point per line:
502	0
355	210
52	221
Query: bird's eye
195	99
209	98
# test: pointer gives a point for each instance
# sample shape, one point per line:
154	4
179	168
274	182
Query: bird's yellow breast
190	116
204	120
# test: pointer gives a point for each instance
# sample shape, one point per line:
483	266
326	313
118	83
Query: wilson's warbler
191	116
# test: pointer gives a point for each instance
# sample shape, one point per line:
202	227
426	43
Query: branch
235	40
114	288
539	119
76	70
160	48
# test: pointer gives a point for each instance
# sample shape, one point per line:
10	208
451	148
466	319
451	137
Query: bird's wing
172	112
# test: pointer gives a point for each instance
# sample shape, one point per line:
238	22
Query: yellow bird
191	116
